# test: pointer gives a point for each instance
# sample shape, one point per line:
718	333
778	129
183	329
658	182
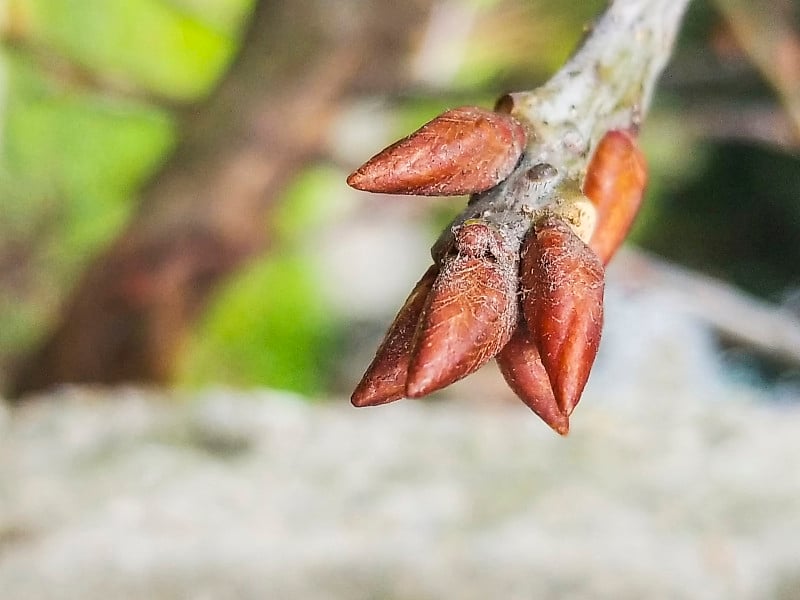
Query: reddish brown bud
562	301
463	151
615	183
471	312
385	379
521	365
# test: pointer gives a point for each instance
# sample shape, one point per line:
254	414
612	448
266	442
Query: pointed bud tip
356	180
385	378
462	151
561	427
371	395
522	368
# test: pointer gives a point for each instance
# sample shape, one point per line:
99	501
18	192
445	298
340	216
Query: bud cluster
538	309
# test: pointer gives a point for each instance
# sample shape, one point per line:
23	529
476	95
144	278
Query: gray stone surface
676	482
260	495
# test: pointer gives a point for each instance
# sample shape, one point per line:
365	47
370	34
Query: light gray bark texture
607	84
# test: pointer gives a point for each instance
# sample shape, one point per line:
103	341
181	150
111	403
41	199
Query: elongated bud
385	378
562	301
471	312
615	183
462	151
522	368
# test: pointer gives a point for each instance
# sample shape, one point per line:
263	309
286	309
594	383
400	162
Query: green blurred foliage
81	147
163	47
70	158
270	326
523	40
267	327
84	125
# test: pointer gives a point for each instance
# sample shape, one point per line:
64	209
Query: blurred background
173	215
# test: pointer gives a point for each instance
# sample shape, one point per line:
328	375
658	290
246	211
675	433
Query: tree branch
766	329
607	84
519	275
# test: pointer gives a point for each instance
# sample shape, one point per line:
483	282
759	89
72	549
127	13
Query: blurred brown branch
764	328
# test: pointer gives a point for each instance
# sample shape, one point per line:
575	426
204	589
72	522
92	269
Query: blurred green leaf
268	327
271	326
146	43
83	151
225	16
70	165
529	39
307	204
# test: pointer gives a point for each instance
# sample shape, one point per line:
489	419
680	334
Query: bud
615	183
562	301
385	378
471	311
462	151
522	368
